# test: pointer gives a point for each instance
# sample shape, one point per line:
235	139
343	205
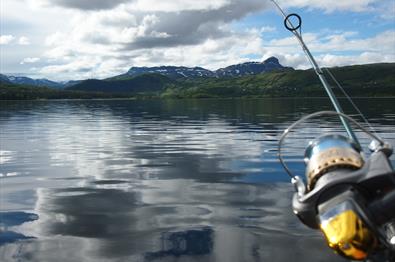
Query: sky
78	39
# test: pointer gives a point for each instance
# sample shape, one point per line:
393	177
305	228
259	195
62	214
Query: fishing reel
349	198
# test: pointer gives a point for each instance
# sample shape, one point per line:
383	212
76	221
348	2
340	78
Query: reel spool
330	153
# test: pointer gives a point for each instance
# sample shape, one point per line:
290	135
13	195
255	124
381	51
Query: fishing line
350	100
288	24
317	69
321	113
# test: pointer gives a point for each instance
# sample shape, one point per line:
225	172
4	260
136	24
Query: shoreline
190	98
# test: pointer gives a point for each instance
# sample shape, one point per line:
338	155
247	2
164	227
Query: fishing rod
294	29
351	199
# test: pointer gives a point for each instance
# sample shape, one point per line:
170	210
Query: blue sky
367	24
75	39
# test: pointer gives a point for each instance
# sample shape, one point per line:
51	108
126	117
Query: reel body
342	190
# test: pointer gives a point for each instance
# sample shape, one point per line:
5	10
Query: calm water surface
189	180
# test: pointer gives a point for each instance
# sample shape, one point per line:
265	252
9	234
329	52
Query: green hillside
23	92
361	80
148	83
358	80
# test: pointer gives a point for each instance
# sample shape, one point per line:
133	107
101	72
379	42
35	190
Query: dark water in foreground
158	180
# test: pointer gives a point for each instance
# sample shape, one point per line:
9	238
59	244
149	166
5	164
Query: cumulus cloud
104	42
6	39
85	66
330	50
330	6
212	54
383	42
123	37
178	5
265	29
329	60
299	61
131	27
136	30
137	5
23	40
87	4
30	60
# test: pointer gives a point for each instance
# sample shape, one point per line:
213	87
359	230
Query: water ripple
188	180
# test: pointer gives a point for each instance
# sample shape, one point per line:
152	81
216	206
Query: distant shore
372	80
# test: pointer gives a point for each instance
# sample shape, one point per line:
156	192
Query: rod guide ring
288	24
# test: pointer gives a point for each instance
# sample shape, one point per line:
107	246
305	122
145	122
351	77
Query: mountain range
176	72
252	79
362	80
173	72
22	80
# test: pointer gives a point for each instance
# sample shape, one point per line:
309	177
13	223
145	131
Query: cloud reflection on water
155	180
244	223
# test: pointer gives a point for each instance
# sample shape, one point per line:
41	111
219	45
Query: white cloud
329	60
382	42
101	43
300	61
178	5
23	40
297	61
6	39
265	29
100	52
54	39
331	6
123	37
81	4
183	5
135	5
211	54
379	48
78	66
30	60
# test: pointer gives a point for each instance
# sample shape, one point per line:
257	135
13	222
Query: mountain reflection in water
191	242
11	219
153	180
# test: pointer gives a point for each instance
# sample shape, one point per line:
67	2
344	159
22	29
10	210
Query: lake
160	180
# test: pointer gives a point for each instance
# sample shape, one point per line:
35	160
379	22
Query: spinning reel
349	198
